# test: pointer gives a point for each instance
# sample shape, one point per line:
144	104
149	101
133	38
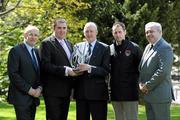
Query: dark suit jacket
124	71
53	59
22	75
92	86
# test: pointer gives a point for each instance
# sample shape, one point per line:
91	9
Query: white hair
29	28
154	24
90	24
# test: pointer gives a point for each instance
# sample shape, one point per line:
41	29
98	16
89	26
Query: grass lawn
7	112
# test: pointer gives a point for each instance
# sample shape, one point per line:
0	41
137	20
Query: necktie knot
151	47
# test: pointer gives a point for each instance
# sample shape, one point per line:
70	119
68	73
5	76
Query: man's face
60	30
119	33
90	34
31	37
152	34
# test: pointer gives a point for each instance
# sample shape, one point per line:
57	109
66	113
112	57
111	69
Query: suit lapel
27	55
148	53
68	45
95	52
142	59
59	47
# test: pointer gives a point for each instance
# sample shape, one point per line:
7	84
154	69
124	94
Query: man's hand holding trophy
80	59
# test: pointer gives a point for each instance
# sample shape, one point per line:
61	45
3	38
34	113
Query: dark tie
151	47
89	49
34	59
87	58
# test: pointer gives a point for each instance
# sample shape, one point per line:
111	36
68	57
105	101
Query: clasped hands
35	92
79	70
143	88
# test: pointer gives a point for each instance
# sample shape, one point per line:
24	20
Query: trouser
56	107
160	111
125	110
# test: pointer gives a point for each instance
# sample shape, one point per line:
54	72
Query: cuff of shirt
66	71
89	70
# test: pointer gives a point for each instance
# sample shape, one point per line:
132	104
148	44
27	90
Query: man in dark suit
91	91
155	74
125	58
23	70
55	53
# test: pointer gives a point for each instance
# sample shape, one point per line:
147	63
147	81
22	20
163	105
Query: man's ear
125	32
96	32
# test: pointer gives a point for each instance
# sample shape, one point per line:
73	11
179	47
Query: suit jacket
92	86
53	59
155	72
124	71
22	75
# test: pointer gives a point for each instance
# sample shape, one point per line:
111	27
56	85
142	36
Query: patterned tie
34	59
88	55
89	49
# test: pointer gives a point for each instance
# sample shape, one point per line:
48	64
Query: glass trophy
79	56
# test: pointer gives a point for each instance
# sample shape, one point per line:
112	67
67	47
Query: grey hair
29	28
154	24
90	24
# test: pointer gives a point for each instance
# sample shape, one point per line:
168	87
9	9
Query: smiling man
155	74
55	56
91	91
23	70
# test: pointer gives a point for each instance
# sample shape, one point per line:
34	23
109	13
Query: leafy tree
40	13
4	5
134	13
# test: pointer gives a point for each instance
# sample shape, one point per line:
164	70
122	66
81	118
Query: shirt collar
155	42
58	38
28	46
93	43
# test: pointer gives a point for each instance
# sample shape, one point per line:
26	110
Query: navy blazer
53	59
92	86
22	75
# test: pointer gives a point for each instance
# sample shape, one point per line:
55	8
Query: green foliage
40	13
134	13
103	13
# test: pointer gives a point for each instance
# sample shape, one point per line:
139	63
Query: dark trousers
56	107
25	112
85	108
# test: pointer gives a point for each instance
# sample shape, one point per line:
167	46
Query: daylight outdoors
15	15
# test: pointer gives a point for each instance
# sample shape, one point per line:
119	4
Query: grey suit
155	68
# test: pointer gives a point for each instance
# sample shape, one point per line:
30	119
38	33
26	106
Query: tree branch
7	11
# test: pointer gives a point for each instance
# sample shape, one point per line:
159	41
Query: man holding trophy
90	60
